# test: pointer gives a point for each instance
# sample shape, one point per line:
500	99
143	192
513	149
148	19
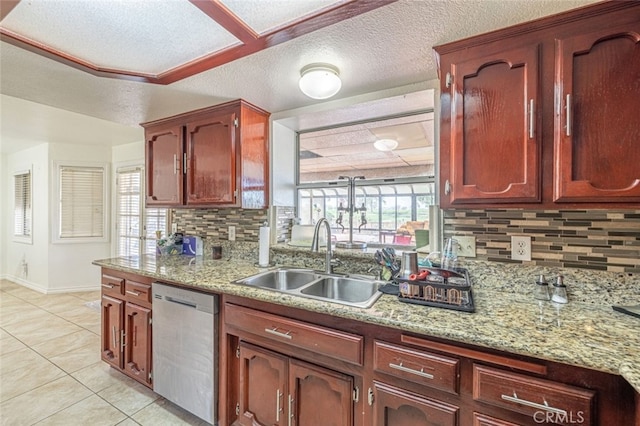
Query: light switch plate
466	245
521	247
232	233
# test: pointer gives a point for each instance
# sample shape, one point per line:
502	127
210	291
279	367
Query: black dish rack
441	289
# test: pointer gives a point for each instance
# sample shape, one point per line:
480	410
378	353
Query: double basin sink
347	290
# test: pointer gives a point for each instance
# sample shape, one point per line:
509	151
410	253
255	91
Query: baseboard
34	286
25	283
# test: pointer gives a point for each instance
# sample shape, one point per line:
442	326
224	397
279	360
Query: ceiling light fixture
320	81
385	144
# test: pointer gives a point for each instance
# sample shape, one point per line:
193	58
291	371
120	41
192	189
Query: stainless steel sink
352	291
344	289
281	279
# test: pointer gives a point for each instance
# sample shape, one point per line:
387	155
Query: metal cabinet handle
545	406
278	409
275	332
420	372
568	128
532	116
133	293
290	410
107	285
447	187
122	342
175	164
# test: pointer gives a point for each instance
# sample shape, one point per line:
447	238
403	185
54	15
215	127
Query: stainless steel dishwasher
185	359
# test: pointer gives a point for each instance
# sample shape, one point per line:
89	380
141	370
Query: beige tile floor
51	372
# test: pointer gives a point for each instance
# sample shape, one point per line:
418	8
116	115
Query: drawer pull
275	332
133	293
107	285
544	406
420	372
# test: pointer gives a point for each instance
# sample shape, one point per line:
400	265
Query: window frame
434	219
143	211
377	183
23	238
56	238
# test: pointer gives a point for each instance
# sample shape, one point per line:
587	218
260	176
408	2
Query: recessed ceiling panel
279	12
148	37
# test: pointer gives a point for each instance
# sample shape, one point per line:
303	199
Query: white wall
4	201
283	162
36	254
70	267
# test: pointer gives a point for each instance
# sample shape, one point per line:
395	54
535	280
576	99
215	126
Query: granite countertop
585	335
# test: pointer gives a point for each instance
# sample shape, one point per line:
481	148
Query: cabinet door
484	420
597	128
396	407
137	350
112	318
211	160
164	166
318	396
263	387
495	143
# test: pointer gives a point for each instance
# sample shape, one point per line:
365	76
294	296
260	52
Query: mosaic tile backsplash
213	224
605	240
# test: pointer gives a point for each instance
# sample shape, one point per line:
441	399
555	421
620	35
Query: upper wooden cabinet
213	157
544	114
164	160
597	129
493	116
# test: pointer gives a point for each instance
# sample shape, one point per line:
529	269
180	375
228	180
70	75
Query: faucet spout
315	242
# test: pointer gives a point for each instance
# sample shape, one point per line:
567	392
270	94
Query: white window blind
82	199
22	205
136	226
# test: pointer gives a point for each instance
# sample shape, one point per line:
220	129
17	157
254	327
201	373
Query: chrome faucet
315	243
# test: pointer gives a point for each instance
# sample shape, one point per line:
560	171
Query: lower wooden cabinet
278	390
126	325
541	400
398	407
484	420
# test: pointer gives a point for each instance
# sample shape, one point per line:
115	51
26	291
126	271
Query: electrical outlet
466	245
232	233
174	228
521	247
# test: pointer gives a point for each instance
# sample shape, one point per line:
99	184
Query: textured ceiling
386	48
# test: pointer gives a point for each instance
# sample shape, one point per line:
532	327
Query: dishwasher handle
181	302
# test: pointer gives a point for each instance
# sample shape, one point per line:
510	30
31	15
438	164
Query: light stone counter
582	334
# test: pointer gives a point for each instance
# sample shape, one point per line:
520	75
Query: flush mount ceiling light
320	81
385	144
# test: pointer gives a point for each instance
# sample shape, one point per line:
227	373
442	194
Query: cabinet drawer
541	399
111	285
325	341
416	366
139	293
